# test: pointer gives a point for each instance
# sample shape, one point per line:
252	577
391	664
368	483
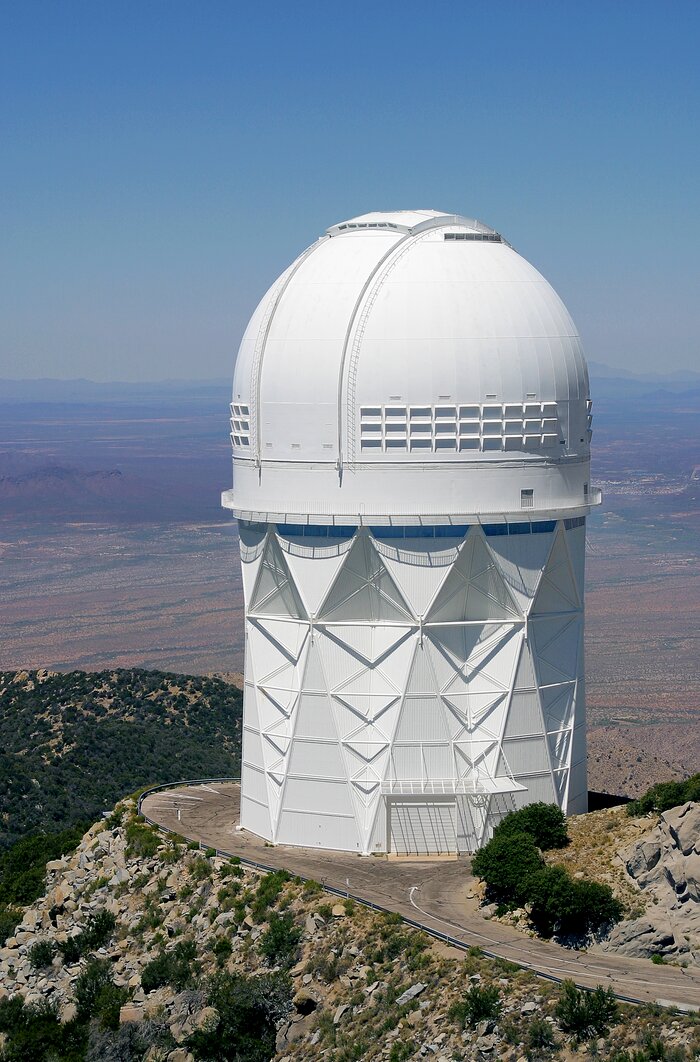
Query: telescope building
411	426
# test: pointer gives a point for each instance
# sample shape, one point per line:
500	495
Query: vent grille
475	237
460	428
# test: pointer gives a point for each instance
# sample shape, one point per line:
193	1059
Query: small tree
479	1004
585	1014
545	823
280	940
506	863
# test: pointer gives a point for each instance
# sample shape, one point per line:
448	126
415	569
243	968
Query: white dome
406	343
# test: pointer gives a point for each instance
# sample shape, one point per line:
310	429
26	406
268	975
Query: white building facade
411	449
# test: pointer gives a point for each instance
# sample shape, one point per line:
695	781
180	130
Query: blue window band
536	527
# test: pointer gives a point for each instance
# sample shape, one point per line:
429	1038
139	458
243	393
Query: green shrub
505	863
545	823
96	996
176	967
666	795
98	930
10	918
41	954
572	907
250	1009
539	1035
23	865
142	841
311	888
222	949
585	1014
479	1004
269	888
280	940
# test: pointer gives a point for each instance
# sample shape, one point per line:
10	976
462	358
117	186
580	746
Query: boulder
130	1013
410	993
683	823
641	938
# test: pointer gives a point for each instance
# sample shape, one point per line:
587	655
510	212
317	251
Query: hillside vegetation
73	744
144	948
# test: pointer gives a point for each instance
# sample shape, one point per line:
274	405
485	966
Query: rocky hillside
73	744
144	947
664	864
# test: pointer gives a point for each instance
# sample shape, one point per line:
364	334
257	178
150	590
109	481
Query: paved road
432	892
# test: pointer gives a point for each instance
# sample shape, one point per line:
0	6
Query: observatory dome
411	432
405	342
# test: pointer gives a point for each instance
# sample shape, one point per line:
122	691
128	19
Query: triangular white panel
558	647
364	589
558	705
368	642
313	576
458	643
521	560
419	580
275	593
524	715
289	635
422	716
525	674
557	590
474	588
559	748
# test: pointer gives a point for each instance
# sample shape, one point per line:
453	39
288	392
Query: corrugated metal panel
524	715
317	759
252	748
539	787
314	830
423	829
255	816
253	784
526	754
313	796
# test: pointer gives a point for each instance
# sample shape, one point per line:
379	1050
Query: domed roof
410	338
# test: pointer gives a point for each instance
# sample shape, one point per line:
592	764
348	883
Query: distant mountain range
605	378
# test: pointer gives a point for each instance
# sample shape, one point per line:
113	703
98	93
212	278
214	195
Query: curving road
434	892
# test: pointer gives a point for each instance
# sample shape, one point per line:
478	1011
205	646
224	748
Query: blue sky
162	162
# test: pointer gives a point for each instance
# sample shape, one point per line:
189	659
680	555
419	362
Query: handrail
453	942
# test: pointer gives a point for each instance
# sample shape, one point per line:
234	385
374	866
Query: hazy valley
114	551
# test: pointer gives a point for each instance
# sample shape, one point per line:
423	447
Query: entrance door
423	828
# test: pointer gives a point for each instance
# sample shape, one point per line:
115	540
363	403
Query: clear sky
162	161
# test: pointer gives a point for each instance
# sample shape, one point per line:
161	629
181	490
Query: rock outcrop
665	866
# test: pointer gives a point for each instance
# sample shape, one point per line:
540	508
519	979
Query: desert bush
572	907
666	795
479	1004
280	940
176	967
539	1035
10	918
269	888
23	865
98	930
142	840
222	949
585	1014
505	864
545	823
250	1009
96	995
41	954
